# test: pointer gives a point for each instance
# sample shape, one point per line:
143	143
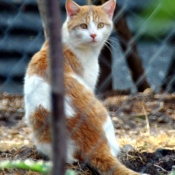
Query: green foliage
39	166
159	17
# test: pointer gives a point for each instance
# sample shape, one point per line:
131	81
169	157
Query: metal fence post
57	84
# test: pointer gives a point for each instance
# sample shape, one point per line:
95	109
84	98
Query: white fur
70	151
110	134
68	108
87	52
36	93
91	68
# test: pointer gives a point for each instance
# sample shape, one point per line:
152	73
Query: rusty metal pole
57	84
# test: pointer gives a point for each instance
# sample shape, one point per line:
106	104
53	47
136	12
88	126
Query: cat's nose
93	35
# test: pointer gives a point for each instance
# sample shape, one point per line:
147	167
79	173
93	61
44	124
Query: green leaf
39	166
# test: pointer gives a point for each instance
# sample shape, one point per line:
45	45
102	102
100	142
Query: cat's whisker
108	45
113	40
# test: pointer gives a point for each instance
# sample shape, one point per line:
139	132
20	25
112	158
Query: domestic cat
90	132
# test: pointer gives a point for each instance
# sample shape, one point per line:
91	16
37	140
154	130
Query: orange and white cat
90	132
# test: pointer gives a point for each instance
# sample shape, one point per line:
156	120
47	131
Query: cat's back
39	63
36	82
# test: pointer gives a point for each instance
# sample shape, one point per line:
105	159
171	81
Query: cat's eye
83	26
100	25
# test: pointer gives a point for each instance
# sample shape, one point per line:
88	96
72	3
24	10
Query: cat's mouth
93	41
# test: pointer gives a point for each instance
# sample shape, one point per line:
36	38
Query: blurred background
133	46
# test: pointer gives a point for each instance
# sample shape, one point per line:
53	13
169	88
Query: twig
160	167
147	121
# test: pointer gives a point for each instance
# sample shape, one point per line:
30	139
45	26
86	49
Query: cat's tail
106	164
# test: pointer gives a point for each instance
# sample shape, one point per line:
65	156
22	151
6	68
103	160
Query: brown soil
143	122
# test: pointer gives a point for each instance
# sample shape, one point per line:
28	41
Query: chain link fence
21	36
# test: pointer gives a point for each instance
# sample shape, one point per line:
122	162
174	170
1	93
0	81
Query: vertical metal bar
57	84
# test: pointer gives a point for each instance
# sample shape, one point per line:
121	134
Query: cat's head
88	25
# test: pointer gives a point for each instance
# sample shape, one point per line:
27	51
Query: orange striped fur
90	133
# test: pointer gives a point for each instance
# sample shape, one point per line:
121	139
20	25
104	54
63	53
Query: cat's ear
72	8
109	7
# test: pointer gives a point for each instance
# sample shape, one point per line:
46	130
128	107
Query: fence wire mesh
139	101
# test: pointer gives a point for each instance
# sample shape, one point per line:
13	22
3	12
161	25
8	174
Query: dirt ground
144	124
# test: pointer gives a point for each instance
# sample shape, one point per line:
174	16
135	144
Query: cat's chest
88	60
91	72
